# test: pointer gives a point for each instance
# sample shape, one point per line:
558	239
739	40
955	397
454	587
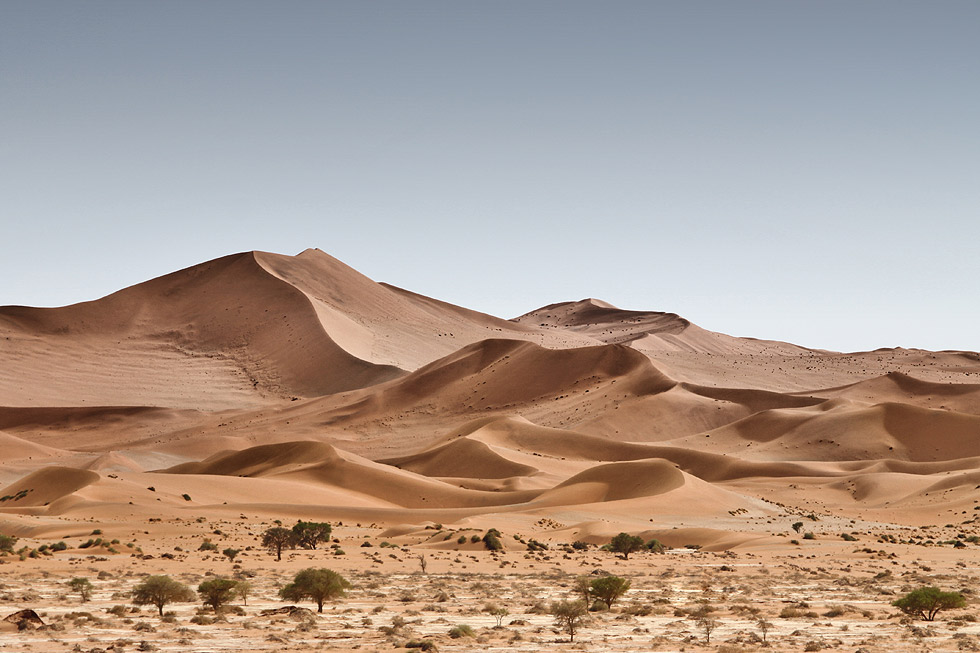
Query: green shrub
461	630
655	546
492	540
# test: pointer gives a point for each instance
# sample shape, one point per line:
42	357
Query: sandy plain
210	402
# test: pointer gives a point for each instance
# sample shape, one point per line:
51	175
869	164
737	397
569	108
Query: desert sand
806	486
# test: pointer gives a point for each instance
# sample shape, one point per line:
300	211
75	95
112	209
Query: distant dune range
294	386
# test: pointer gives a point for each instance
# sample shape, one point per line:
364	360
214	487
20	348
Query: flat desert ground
806	488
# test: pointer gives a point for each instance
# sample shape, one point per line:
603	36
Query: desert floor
819	594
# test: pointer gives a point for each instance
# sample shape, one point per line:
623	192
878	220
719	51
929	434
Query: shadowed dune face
292	384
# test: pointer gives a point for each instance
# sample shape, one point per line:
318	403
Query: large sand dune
296	386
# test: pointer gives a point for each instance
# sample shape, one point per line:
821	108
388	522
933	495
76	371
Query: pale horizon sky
800	171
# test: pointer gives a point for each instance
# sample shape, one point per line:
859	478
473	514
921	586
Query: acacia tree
217	592
160	591
927	602
308	534
318	585
626	544
570	616
609	588
706	624
764	626
499	613
83	586
278	538
242	589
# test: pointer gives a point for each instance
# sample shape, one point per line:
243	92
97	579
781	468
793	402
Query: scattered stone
291	611
25	620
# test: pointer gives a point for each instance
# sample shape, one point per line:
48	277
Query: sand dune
296	386
889	430
44	486
258	461
321	464
13	448
904	388
603	321
650	331
386	325
462	458
615	482
500	376
226	328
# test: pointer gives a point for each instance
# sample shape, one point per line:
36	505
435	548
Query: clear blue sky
805	171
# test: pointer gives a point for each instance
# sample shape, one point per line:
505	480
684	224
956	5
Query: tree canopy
569	616
308	534
160	591
609	588
626	544
927	602
217	592
318	585
278	538
83	586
